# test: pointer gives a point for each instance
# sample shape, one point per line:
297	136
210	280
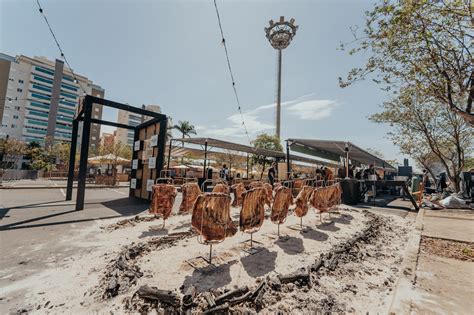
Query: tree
469	163
61	152
185	128
112	153
379	154
428	131
265	141
422	44
11	151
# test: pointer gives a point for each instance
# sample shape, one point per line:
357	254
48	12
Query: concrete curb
401	301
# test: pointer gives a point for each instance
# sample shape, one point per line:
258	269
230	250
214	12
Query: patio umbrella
107	159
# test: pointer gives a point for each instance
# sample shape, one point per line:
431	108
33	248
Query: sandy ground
71	284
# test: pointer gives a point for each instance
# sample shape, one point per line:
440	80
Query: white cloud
256	120
254	126
313	109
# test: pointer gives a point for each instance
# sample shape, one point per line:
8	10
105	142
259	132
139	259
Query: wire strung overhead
231	73
40	9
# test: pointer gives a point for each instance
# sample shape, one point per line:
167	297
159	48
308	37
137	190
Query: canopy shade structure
232	146
214	143
334	150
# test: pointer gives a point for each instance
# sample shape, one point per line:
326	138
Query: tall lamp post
280	34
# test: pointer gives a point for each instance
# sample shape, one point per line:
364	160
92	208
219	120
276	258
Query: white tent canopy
107	158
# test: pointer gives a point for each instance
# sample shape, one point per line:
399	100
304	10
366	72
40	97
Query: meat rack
252	250
164	180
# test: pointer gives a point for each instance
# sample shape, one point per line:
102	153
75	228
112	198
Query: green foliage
118	150
11	151
379	154
426	45
469	163
265	141
428	131
185	128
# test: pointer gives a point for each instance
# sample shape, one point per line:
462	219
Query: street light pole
278	105
280	35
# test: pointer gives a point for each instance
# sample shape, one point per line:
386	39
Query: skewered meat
269	191
253	210
190	193
211	217
324	198
302	201
162	201
255	184
297	185
283	200
238	189
221	188
336	197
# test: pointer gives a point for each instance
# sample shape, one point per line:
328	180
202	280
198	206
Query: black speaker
405	171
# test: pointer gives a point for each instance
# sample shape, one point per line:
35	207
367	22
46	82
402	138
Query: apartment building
125	135
40	99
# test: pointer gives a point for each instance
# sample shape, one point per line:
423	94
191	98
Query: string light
223	42
40	9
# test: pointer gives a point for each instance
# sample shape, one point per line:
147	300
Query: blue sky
169	53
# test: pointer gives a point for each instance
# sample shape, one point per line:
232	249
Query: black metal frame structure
84	114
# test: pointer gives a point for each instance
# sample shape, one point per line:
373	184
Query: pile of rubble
122	272
128	223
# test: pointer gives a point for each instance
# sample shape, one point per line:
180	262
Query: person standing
272	173
224	173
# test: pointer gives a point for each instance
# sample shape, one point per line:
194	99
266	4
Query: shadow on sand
209	277
343	219
259	264
328	226
154	231
291	245
314	234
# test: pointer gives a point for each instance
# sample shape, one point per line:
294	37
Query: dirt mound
320	286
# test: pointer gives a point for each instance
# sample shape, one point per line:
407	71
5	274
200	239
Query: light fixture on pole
280	34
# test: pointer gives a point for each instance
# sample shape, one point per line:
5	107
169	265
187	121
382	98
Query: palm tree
185	128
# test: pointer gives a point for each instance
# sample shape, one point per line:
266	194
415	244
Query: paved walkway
439	285
46	183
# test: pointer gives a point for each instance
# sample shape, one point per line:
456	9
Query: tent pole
288	170
248	166
205	160
169	156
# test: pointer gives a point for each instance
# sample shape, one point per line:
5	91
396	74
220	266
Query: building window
13	125
21	81
17	107
94	138
15	116
19	90
10	79
96	109
96	116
